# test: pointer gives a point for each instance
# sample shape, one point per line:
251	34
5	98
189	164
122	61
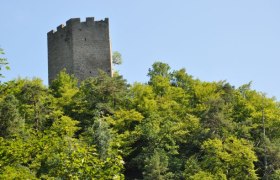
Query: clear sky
233	40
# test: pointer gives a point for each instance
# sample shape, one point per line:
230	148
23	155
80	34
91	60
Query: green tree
173	127
55	153
35	102
117	58
19	172
99	135
159	69
156	166
207	176
232	157
11	123
98	96
64	87
3	63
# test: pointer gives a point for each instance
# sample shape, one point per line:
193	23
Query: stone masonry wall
60	51
80	47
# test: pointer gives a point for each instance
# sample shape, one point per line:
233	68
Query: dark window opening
85	39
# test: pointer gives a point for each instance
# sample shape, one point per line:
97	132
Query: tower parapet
80	47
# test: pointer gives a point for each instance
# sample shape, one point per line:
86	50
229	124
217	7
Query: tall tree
3	63
11	123
98	96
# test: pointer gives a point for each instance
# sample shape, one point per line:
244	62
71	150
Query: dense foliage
173	127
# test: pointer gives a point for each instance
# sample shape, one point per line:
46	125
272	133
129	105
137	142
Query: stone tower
81	48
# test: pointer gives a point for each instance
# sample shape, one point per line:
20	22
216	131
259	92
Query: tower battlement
80	47
77	22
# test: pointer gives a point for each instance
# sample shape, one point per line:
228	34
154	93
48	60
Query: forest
172	127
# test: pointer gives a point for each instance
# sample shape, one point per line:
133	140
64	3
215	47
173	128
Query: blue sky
233	40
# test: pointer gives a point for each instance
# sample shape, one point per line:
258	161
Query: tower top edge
75	21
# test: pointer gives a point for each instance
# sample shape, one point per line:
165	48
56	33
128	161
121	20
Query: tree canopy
172	127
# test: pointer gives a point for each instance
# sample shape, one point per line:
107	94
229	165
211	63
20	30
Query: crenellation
51	33
81	47
60	27
73	21
90	20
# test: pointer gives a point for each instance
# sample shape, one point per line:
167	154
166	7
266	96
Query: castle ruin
81	48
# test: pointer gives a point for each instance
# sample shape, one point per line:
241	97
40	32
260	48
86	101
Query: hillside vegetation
172	127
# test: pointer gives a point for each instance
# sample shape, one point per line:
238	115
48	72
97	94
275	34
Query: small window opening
85	39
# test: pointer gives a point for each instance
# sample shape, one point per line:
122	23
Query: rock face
82	48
